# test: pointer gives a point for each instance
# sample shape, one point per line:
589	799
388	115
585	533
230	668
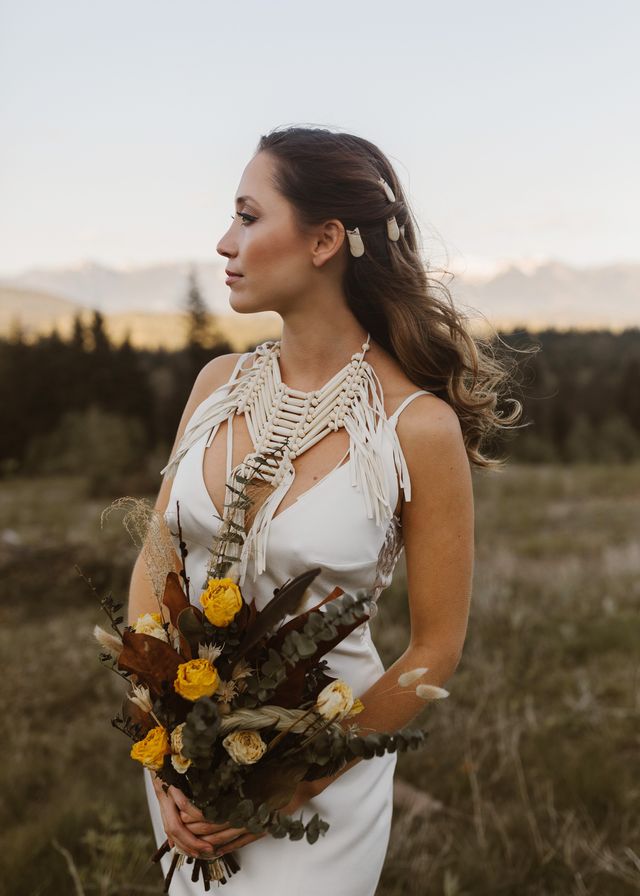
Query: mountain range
148	302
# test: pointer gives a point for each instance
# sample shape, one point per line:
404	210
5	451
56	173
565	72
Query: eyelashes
246	219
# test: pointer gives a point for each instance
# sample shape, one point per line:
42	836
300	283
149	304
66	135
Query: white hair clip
356	246
393	231
385	186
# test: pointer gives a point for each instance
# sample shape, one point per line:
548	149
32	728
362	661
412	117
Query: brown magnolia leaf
174	598
150	659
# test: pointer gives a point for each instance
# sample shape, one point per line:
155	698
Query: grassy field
530	783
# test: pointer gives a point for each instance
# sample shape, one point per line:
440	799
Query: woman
323	235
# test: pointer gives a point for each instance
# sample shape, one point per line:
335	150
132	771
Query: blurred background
515	131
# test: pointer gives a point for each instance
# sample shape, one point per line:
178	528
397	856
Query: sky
126	125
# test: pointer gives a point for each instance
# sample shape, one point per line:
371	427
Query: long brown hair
324	174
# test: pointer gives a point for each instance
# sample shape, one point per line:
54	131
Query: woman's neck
310	356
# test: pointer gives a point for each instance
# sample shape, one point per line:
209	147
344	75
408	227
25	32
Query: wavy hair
326	174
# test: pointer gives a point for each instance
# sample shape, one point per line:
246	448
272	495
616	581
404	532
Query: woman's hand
178	834
224	838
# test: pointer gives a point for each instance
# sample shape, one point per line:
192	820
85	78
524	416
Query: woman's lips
231	278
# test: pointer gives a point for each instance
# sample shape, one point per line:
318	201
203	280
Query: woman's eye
246	219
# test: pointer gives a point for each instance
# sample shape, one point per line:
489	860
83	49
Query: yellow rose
152	750
244	747
335	701
151	624
196	678
221	601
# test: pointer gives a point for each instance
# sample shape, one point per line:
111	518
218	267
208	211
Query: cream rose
178	761
335	701
151	624
244	747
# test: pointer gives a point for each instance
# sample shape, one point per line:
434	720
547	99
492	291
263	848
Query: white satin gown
328	527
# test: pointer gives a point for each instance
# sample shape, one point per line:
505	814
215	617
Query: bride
390	398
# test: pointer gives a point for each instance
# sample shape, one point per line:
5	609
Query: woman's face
264	245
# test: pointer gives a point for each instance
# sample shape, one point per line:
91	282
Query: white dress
327	527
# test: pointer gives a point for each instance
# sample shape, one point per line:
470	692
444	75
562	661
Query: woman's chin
243	304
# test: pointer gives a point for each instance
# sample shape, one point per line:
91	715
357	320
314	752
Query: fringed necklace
284	423
279	417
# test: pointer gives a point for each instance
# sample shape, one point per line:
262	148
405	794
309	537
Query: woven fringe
257	538
364	422
212	411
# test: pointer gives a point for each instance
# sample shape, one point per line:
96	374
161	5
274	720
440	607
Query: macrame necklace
283	423
288	421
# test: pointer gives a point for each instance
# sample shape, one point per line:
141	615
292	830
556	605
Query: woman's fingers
207	826
187	828
185	805
179	833
203	828
220	839
239	842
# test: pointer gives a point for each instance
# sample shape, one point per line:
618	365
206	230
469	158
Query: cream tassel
258	536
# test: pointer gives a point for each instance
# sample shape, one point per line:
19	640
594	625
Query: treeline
581	396
85	405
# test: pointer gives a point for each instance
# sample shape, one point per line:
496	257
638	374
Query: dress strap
239	363
231	380
206	418
393	419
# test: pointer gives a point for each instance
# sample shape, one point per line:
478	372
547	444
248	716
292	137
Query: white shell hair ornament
356	246
393	231
385	186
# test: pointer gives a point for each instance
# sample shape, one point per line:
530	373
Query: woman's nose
225	246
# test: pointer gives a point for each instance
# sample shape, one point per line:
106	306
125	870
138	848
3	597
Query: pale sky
126	125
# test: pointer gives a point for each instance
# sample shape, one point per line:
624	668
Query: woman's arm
438	528
214	374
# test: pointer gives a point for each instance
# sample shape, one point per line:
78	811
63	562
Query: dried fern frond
248	482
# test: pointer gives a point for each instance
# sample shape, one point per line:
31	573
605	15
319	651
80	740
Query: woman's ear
328	241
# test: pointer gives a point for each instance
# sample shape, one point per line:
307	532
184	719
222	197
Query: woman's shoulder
219	370
214	374
397	386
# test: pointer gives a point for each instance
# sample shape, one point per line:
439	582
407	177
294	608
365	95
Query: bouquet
235	706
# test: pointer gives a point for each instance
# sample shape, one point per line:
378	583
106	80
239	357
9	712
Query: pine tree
99	338
202	333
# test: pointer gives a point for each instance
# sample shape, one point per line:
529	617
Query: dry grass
532	766
530	781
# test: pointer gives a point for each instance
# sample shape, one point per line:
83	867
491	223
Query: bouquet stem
218	869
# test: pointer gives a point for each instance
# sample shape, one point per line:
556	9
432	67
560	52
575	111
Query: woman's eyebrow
241	199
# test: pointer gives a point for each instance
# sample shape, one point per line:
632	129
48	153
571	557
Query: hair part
326	174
